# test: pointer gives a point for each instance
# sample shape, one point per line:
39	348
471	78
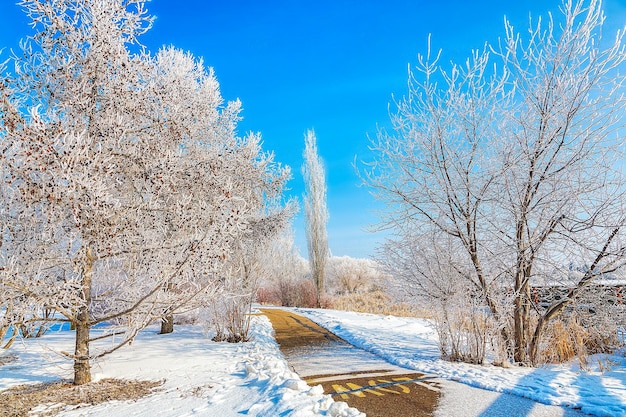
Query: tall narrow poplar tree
315	212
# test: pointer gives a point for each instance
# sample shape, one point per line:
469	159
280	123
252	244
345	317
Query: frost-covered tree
247	266
515	155
315	213
349	275
125	185
71	165
285	271
221	184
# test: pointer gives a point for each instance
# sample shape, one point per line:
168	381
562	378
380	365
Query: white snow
412	343
205	378
202	378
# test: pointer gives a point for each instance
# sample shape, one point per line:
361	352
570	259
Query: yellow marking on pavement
403	378
404	388
373	384
341	390
371	391
355	389
379	387
430	387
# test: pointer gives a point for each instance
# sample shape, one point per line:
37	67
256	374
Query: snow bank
282	391
412	343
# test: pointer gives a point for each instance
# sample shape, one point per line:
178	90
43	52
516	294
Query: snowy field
412	343
205	378
202	378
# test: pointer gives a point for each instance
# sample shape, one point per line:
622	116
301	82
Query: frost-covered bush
347	275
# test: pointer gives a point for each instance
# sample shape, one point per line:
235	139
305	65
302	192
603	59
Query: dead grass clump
50	399
5	359
375	302
564	340
578	337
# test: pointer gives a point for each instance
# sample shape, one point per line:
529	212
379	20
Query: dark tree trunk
167	324
82	367
521	317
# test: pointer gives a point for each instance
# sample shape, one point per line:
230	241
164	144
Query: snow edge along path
284	392
412	343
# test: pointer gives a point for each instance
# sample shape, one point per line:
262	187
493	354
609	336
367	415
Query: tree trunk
167	324
521	318
484	287
533	350
82	367
318	298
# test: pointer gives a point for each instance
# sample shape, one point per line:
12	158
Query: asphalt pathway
380	389
349	374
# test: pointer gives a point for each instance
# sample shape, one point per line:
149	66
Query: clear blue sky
331	65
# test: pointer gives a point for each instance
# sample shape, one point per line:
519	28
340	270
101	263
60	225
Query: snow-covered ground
412	343
205	378
202	378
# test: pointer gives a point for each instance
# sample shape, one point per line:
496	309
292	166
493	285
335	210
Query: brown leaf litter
49	399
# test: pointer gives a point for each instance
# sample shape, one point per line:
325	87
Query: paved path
360	378
378	388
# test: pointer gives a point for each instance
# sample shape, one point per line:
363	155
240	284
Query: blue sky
330	65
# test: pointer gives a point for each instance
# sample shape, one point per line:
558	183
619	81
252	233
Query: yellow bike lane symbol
379	387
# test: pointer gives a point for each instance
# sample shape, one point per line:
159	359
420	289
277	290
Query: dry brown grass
567	340
570	338
375	302
50	399
563	341
6	358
